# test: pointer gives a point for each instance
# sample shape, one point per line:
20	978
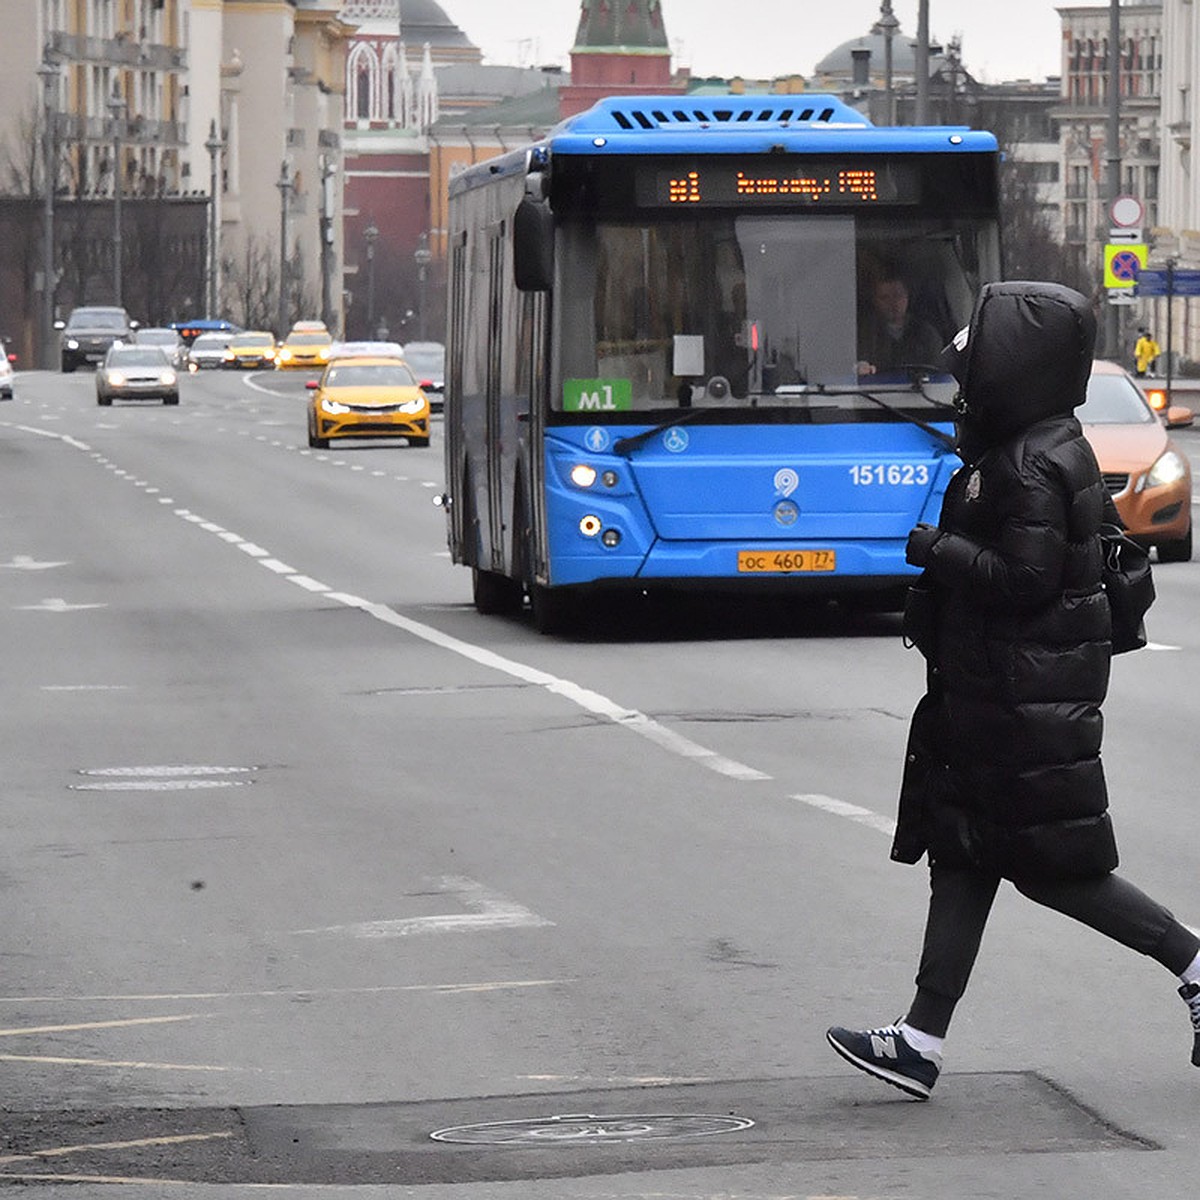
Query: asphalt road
317	881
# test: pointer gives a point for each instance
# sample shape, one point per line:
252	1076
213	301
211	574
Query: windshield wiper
917	388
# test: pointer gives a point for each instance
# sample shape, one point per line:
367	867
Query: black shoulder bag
1125	574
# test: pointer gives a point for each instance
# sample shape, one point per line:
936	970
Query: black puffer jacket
1003	769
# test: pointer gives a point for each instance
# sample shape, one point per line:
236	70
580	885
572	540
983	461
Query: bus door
453	421
494	440
535	351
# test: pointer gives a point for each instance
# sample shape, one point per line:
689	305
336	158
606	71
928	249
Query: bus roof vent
638	113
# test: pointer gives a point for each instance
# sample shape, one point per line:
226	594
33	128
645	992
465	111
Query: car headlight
412	406
284	355
167	377
118	342
333	406
72	344
116	378
323	352
1169	467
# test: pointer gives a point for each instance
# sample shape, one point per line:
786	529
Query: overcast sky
1001	39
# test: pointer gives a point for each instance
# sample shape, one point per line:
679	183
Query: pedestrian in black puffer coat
1002	778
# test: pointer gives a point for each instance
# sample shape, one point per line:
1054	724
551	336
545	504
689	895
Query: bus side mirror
533	246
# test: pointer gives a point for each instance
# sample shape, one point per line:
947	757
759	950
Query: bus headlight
611	538
609	479
589	526
582	475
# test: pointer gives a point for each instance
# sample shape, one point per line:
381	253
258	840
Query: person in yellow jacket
1145	352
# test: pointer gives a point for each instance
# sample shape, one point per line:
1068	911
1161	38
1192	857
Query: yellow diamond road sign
1122	262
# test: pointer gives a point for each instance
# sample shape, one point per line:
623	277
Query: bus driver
892	337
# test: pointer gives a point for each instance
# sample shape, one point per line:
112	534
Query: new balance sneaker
1191	997
886	1054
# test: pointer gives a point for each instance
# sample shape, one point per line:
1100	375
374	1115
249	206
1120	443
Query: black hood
1026	356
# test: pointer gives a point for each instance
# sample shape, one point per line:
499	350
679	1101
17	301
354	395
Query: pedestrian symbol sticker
1122	262
596	439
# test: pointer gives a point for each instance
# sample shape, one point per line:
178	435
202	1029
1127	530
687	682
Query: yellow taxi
367	397
307	346
254	348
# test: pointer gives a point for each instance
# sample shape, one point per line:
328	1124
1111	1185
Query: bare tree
21	155
1031	250
251	285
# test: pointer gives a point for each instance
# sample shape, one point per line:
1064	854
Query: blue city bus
666	361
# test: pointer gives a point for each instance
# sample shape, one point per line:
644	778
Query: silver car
6	373
136	373
166	340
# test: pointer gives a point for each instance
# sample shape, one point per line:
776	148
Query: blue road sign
1155	283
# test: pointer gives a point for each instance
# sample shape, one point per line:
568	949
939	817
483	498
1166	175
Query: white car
6	373
366	350
428	363
210	350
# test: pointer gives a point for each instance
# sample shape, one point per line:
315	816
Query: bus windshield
726	310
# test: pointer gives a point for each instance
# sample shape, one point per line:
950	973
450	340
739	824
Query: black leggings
961	899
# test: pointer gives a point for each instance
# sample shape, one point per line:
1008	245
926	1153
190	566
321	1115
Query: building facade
268	77
1176	238
1083	120
92	110
151	102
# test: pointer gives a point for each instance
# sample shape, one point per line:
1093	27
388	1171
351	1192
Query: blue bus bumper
746	505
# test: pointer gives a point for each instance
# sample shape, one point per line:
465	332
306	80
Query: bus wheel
495	595
552	608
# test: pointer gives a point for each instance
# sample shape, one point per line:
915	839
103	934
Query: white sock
1191	973
924	1043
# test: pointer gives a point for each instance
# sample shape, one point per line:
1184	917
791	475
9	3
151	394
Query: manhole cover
578	1129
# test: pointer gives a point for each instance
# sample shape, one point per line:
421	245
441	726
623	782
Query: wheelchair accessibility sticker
675	440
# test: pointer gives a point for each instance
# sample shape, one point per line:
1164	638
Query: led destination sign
852	184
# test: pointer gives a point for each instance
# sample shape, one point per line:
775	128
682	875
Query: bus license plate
758	562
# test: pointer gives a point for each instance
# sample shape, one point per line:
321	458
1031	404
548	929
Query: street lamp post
887	25
328	171
370	236
214	146
423	256
116	106
921	116
49	74
1112	165
284	184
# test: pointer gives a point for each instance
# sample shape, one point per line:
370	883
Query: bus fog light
609	479
611	538
589	526
582	475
